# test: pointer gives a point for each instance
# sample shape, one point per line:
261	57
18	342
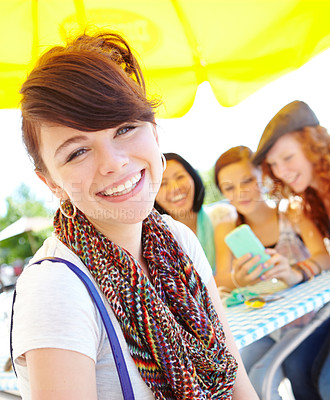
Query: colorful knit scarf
170	325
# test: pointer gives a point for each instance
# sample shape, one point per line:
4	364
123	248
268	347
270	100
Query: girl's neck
260	215
188	218
264	223
128	236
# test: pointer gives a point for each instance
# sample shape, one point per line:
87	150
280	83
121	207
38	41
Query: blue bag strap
118	356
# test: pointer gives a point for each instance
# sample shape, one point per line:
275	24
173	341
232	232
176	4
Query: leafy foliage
22	203
212	193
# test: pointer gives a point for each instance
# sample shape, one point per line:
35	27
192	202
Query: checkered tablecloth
8	381
249	325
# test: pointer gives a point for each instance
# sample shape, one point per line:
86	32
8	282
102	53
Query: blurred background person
181	195
294	152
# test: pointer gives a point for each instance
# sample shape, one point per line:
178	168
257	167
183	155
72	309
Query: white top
53	309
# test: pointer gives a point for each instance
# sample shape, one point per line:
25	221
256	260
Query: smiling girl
294	151
91	133
181	195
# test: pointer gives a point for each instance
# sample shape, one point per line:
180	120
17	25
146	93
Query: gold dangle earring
67	204
163	161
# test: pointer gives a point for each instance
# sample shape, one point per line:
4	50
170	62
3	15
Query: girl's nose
173	187
280	170
111	158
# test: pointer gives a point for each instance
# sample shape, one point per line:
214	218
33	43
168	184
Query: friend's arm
223	256
231	272
320	258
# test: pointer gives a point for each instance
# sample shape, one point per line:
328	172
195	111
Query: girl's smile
111	175
239	184
177	189
289	163
123	191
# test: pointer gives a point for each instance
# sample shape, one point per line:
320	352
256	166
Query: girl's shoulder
51	277
221	212
190	245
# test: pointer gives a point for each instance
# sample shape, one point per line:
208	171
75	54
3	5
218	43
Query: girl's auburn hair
92	83
315	142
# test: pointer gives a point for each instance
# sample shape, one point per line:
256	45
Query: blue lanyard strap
118	356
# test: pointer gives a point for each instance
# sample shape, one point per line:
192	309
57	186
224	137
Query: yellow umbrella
236	45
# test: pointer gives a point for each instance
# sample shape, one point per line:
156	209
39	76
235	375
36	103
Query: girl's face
112	175
289	163
239	184
177	190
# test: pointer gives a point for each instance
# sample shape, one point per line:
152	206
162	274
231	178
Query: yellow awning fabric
237	45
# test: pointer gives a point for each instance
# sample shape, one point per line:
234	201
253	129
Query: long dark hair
91	84
199	186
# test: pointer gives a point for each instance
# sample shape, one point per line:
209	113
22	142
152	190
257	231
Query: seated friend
181	195
294	152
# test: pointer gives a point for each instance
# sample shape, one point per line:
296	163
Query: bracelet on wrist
317	265
307	267
234	280
300	269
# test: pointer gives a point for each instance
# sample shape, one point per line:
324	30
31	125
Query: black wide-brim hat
292	117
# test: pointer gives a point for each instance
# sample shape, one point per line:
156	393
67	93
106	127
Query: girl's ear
55	189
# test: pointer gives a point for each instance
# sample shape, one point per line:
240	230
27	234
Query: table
249	325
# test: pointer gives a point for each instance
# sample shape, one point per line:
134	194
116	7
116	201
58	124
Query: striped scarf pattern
170	325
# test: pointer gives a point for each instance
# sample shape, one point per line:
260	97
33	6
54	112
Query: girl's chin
298	187
246	208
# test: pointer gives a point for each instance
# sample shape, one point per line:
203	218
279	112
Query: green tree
22	203
212	193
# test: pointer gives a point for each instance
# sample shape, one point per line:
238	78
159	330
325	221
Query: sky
205	132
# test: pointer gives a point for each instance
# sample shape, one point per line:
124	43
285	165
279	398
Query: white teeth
178	198
292	179
124	187
119	188
129	184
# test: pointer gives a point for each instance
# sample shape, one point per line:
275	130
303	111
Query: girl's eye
227	189
248	180
124	129
180	177
288	158
75	154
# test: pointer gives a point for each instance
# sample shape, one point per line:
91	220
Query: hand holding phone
242	240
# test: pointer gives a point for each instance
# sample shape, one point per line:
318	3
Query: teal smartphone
242	240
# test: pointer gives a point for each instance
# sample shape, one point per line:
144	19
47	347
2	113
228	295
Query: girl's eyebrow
74	139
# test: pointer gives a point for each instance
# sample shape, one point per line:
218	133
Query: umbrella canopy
25	224
236	45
